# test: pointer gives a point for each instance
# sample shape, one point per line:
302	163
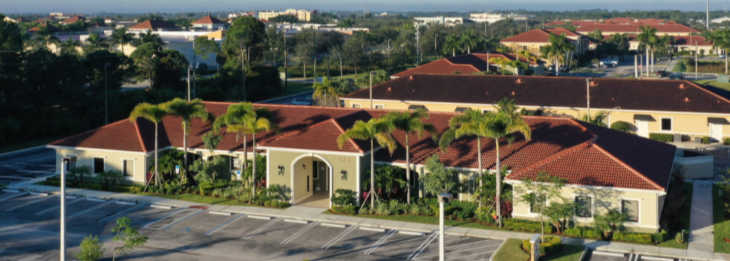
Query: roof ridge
627	166
342	131
92	130
708	91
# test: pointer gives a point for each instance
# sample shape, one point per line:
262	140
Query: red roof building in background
535	39
465	64
209	23
625	25
152	25
73	19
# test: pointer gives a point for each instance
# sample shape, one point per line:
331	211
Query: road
27	165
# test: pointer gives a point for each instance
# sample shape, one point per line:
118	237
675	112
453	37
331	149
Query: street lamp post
62	249
371	89
442	198
106	93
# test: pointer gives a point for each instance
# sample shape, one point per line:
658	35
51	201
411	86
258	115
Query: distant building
625	25
301	14
152	25
290	28
470	64
495	17
442	20
72	20
56	14
209	23
10	20
535	39
720	20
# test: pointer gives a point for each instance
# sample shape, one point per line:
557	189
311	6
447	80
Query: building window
355	105
98	165
537	204
666	124
379	106
583	206
417	107
461	109
127	168
630	208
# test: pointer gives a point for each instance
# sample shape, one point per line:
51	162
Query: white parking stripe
12	196
333	225
95	199
337	238
220	213
225	224
260	229
259	217
164	217
58	207
122	202
411	233
656	258
28	203
423	245
120	213
83	212
11	190
379	243
298	221
604	253
297	234
178	220
373	229
161	206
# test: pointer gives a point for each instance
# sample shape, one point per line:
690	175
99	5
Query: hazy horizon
141	6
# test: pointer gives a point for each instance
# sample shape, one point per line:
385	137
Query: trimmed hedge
663	137
551	244
726	141
526	226
623	126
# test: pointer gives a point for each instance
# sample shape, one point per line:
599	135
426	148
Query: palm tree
506	121
558	48
233	121
254	122
469	39
647	38
469	123
721	40
153	113
186	110
324	90
410	122
375	129
121	36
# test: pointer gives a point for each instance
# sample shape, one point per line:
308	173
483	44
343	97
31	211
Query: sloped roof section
207	20
120	135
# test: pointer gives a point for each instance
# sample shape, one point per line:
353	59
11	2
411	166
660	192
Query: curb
20	151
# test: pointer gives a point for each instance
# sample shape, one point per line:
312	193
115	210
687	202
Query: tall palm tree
254	122
186	111
469	123
375	129
557	50
324	91
233	120
410	122
153	113
504	122
121	37
647	38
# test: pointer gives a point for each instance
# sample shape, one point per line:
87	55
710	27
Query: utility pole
588	97
707	18
285	56
418	45
371	90
106	93
189	66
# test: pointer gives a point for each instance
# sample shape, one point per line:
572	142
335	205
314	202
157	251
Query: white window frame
671	124
638	214
592	210
130	170
529	206
93	167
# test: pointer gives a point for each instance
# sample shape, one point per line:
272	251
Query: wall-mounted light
281	170
343	174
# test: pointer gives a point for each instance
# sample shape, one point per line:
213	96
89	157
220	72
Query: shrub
525	226
110	179
77	175
343	197
663	137
573	232
681	236
623	126
484	214
591	233
346	209
609	223
706	140
550	244
641	238
660	236
726	141
397	208
382	209
462	209
90	249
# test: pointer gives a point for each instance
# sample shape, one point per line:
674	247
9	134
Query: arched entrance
311	181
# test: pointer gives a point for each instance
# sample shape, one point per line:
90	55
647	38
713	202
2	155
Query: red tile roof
626	25
72	19
464	64
539	35
152	25
694	40
207	20
607	93
583	153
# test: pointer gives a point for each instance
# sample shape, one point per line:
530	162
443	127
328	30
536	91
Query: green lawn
719	85
296	87
722	223
566	253
682	220
25	144
511	251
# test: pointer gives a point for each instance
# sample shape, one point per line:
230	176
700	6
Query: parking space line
11	190
298	221
95	199
220	213
260	229
423	245
373	229
12	196
89	210
380	242
333	225
655	258
604	253
224	224
161	206
297	234
28	203
411	233
122	202
258	217
164	217
178	220
58	207
122	212
339	237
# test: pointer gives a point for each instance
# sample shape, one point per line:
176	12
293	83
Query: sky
147	6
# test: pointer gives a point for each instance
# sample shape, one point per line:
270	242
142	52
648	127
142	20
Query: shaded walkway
701	225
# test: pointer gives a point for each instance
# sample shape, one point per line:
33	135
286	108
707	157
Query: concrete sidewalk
319	215
701	239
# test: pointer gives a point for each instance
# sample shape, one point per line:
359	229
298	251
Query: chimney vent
594	83
518	81
514	93
686	99
389	89
410	77
681	86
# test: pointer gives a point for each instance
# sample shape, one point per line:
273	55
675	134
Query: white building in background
495	17
720	20
302	15
290	28
443	20
10	20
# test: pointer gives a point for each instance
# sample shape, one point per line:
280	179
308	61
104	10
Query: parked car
609	62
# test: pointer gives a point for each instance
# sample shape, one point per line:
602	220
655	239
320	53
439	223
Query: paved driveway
26	166
29	229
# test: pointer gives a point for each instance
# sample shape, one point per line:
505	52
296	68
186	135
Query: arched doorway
311	181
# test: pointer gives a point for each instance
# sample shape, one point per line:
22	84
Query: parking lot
27	165
29	230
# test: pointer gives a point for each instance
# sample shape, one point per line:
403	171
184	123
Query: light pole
106	93
371	89
62	249
442	198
